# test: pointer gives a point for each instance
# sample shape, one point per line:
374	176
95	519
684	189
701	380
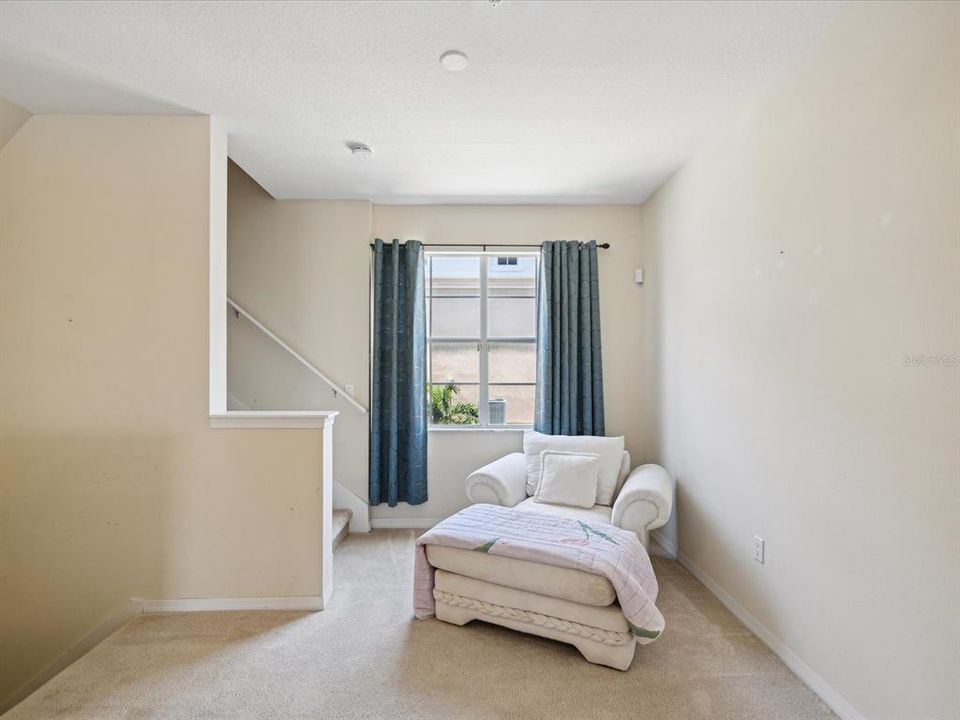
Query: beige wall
302	267
12	118
454	454
800	262
112	484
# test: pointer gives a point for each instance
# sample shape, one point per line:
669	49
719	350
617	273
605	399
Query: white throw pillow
609	449
568	478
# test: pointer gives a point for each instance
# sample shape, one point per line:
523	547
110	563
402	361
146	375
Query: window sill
479	428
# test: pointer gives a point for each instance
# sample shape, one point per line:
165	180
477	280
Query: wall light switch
349	389
638	276
758	549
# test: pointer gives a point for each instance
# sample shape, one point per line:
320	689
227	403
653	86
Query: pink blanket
592	547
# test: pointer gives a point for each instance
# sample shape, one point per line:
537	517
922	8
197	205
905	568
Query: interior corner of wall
12	119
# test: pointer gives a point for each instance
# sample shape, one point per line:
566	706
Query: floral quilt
593	547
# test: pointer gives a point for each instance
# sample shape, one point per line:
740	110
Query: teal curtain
569	398
398	398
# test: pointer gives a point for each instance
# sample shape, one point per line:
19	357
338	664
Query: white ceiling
562	102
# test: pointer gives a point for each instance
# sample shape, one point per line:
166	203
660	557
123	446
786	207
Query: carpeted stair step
341	525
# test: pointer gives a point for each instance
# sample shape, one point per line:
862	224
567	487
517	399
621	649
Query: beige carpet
366	657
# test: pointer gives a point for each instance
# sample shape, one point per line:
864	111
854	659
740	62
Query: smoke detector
359	150
454	61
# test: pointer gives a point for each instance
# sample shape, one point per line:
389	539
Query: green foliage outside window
446	410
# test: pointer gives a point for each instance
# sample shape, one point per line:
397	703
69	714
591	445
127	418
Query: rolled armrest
645	501
502	482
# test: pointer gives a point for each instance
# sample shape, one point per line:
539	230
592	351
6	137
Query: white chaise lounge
642	501
563	604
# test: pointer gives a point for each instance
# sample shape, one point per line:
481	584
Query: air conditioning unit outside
497	410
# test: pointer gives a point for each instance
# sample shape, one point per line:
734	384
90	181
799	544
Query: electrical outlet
758	549
349	389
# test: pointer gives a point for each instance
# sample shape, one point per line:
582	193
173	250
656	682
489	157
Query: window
482	325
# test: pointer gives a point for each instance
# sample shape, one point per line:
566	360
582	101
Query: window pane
454	310
454	317
511	317
511	404
454	404
454	363
512	279
512	363
454	275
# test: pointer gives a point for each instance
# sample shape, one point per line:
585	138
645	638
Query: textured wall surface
563	102
112	484
303	268
805	290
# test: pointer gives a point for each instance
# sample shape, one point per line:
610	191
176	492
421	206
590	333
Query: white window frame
483	342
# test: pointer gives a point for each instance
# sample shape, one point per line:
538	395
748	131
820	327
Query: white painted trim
217	374
484	347
297	356
326	519
293	602
839	704
343	497
80	648
392	523
274	419
479	428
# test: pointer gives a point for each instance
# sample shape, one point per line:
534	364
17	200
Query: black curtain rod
602	246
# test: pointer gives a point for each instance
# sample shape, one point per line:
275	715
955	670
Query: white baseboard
403	523
839	704
93	638
303	602
668	547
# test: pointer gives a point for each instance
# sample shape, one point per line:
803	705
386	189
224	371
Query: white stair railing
337	389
